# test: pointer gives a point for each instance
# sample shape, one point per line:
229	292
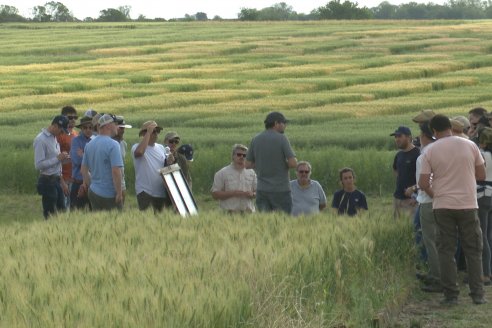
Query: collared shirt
77	148
46	150
228	179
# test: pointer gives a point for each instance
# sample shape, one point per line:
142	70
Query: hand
63	156
82	191
80	152
151	128
409	191
64	187
119	198
170	159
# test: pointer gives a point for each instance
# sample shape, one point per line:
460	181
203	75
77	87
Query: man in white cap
101	167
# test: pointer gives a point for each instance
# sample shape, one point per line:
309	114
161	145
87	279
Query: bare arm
292	163
142	146
117	176
424	184
480	172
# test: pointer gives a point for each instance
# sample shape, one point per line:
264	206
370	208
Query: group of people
444	181
86	169
261	172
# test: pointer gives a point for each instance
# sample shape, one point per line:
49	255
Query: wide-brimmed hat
86	120
144	127
424	116
171	135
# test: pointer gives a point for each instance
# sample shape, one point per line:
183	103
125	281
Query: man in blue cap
48	160
404	166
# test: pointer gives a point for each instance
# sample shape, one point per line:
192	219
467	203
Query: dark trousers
99	203
465	224
52	197
274	201
75	201
145	200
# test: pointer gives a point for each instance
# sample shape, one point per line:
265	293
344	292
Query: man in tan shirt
234	185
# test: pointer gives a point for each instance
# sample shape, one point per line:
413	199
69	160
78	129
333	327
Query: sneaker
432	288
449	301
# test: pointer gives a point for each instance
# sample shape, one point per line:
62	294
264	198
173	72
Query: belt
53	177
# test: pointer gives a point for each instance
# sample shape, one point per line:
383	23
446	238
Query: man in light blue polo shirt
102	167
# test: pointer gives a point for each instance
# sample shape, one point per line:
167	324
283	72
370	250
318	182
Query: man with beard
271	155
101	167
404	166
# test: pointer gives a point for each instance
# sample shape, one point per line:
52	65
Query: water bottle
167	151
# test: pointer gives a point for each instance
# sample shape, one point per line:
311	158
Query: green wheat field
344	85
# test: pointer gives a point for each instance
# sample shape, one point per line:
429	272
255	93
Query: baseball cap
424	116
62	122
187	151
106	119
275	117
171	135
120	121
401	130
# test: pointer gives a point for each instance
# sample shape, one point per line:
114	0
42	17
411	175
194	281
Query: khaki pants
465	224
406	206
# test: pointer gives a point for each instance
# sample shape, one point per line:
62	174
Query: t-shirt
452	161
307	200
147	176
100	156
349	202
65	142
228	179
405	165
270	151
422	197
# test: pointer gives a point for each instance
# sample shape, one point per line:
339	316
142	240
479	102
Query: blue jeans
52	198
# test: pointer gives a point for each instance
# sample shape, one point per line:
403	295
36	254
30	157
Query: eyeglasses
302	171
72	117
241	155
174	141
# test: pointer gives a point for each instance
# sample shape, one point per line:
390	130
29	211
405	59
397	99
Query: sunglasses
156	131
174	141
302	171
86	127
72	117
241	155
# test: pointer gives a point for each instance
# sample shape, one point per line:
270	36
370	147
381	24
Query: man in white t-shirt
455	164
148	158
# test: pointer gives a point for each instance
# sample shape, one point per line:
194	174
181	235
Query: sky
178	8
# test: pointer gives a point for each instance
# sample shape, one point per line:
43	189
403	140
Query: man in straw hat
148	158
78	196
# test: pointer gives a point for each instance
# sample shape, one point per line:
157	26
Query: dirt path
424	310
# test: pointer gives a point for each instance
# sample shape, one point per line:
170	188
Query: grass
345	85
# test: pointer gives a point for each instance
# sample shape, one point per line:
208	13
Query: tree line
54	11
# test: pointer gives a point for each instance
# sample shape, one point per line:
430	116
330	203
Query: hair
345	170
484	121
68	110
304	163
440	123
238	146
478	111
426	130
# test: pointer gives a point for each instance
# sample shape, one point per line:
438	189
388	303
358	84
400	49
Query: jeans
274	201
53	199
99	203
429	232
